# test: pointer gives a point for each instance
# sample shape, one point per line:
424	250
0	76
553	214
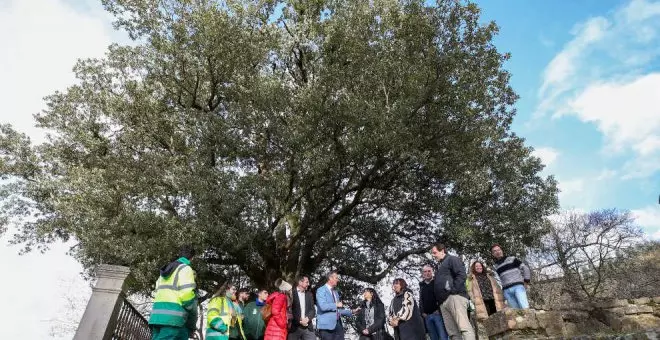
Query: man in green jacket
174	313
253	325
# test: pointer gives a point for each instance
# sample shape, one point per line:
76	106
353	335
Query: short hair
330	273
243	290
301	277
440	246
401	282
495	245
187	252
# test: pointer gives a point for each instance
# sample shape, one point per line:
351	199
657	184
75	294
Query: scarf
485	286
369	314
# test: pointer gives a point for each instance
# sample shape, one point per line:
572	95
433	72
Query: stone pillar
99	319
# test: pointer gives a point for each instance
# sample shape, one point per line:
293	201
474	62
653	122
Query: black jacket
413	328
450	279
379	318
310	310
428	304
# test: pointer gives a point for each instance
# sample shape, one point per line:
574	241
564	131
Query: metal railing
130	324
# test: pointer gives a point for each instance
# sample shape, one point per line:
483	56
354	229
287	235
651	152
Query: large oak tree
280	137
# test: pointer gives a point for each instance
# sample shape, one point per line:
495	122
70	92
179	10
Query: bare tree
582	248
73	303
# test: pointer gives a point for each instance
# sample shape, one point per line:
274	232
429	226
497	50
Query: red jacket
277	324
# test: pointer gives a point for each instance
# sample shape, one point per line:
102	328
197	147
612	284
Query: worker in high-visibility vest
174	314
224	319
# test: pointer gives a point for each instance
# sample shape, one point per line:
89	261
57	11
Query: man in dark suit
303	311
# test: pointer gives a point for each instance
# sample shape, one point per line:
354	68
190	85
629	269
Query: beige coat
474	291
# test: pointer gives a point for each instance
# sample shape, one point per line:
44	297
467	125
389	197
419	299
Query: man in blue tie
329	309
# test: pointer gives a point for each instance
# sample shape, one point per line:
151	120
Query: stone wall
606	319
607	316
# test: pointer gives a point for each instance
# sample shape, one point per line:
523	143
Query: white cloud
606	174
605	76
649	219
570	187
41	40
564	65
546	154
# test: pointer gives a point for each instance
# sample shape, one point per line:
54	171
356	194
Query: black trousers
335	334
301	334
490	306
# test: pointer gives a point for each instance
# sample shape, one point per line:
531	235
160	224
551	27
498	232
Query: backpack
266	312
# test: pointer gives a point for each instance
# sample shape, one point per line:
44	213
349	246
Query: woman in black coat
404	314
370	320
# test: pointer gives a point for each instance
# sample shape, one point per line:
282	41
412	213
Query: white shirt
332	291
301	300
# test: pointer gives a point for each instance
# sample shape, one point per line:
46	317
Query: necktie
334	299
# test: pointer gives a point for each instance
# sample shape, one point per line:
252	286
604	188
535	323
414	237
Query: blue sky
587	71
588	74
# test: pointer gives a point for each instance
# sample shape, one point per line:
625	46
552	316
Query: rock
571	329
621	311
574	315
632	309
656	299
642	301
496	324
481	331
552	323
611	303
645	309
639	322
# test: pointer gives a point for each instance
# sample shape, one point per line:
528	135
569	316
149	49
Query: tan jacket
474	291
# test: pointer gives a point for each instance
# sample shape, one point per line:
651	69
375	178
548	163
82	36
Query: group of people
447	294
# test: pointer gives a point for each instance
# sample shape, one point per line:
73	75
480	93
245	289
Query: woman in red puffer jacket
276	329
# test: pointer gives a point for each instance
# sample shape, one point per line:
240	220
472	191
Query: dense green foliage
281	137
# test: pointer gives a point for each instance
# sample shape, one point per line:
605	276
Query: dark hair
375	299
402	283
483	266
243	290
440	246
300	278
330	273
223	289
187	252
495	245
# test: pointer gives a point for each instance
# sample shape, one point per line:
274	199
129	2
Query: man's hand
340	304
304	321
192	334
365	332
356	310
424	315
526	285
436	312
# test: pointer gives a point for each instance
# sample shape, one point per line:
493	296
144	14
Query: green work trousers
169	333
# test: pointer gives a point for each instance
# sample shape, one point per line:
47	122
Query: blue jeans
516	297
436	327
